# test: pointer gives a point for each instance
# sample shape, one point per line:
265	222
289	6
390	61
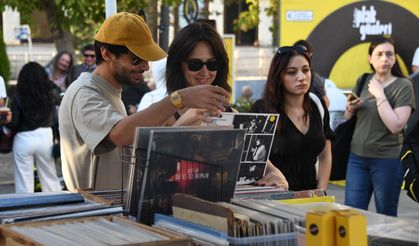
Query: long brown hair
273	94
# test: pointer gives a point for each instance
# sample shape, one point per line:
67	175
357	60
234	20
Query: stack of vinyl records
108	230
51	205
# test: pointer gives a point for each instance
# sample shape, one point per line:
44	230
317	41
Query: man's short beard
124	79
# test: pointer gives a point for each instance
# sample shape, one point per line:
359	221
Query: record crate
205	165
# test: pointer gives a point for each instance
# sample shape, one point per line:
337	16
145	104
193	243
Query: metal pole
29	37
110	7
164	27
279	23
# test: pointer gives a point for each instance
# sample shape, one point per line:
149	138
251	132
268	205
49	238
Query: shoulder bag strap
319	105
361	84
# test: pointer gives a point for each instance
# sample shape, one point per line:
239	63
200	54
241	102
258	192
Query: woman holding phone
384	106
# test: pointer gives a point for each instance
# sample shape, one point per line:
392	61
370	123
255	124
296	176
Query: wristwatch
176	99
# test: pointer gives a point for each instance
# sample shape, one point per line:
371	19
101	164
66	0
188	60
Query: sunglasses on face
87	55
196	65
285	49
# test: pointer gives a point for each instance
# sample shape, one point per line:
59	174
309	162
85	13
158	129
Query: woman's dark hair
273	94
88	47
117	50
182	46
35	92
395	70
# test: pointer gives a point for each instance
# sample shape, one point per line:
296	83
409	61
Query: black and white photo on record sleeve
250	172
258	148
253	124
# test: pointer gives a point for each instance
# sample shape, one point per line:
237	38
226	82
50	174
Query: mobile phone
350	93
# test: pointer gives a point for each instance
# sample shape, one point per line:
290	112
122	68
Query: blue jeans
367	175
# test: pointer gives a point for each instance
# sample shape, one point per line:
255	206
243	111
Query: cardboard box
9	237
320	228
351	228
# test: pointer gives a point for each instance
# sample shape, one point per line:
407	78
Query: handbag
341	144
6	140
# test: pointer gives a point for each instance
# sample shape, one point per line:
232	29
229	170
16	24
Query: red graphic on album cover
188	171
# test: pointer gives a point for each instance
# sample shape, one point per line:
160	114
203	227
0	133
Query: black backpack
410	150
410	157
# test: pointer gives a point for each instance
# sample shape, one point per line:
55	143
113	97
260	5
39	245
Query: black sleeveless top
295	153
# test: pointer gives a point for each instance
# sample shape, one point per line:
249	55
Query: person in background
58	70
88	65
93	121
303	134
33	107
245	101
132	95
382	111
415	62
196	56
158	69
318	87
5	117
3	92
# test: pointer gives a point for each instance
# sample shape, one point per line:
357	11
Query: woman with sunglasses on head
196	56
382	111
303	131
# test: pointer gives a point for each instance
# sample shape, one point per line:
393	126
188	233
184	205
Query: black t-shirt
132	94
294	153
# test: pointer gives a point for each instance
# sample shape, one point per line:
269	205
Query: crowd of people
100	109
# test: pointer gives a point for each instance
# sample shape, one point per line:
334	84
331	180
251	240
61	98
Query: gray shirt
371	137
89	110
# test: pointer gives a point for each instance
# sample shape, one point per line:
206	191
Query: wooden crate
9	237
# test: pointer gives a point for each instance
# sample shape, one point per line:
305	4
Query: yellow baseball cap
130	30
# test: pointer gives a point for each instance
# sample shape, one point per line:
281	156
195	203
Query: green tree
70	19
4	60
250	18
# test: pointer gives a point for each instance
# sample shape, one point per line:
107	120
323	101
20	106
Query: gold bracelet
382	101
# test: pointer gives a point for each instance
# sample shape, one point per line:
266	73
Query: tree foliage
248	19
76	21
70	19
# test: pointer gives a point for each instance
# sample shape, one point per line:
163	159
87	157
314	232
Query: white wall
265	36
11	20
216	9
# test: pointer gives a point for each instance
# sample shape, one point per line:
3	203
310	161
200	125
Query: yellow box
351	228
320	228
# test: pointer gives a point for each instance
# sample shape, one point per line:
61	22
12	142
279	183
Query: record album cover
203	162
260	130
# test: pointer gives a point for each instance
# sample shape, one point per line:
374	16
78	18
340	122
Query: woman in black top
33	109
196	56
303	133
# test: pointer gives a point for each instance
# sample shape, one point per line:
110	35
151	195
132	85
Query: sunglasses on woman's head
285	49
196	65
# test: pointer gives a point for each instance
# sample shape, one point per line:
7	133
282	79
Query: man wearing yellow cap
92	117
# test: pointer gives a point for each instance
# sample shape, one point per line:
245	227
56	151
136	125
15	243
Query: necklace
297	116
